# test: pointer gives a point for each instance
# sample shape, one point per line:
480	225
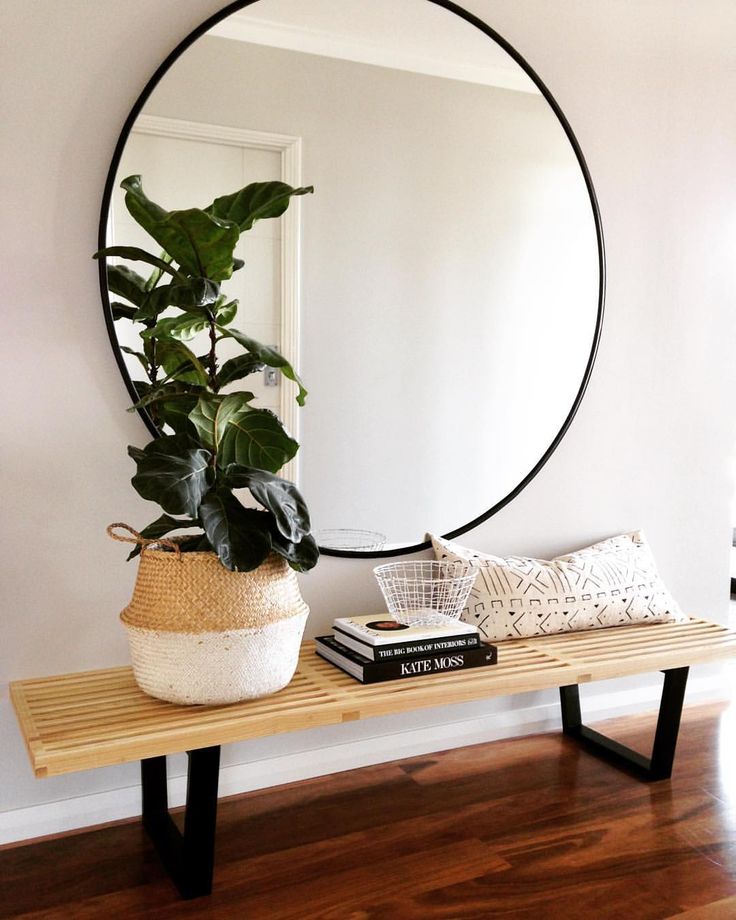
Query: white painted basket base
216	667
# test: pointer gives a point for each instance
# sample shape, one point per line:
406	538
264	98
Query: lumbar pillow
612	583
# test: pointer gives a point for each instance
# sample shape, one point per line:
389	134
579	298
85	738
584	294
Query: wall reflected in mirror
438	292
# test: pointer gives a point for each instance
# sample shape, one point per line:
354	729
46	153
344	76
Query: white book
381	638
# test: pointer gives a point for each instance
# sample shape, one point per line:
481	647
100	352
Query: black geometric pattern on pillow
612	583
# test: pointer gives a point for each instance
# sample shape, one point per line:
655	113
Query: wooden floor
528	829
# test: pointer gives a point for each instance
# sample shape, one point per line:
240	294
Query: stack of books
372	650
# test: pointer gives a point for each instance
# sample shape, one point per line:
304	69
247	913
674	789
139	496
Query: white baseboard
98	808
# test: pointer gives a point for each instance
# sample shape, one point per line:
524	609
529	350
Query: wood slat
97	718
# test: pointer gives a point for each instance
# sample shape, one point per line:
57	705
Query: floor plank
529	829
724	909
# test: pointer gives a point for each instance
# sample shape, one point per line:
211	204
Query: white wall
649	90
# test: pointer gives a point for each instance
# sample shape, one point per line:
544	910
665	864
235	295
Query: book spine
401	649
376	671
384	653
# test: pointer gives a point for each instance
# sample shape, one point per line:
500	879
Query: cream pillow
612	583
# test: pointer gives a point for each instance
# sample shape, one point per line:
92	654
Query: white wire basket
351	539
425	592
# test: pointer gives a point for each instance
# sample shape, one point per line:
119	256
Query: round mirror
441	292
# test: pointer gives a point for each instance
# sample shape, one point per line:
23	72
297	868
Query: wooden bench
98	718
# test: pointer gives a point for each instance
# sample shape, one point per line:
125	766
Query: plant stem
153	366
153	376
213	355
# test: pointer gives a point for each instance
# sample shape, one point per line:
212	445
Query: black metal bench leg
189	857
659	765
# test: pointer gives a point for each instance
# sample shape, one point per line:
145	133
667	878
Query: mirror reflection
439	290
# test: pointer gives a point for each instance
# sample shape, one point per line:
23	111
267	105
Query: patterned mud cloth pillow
612	583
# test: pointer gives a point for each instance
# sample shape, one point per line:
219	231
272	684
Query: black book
371	672
389	652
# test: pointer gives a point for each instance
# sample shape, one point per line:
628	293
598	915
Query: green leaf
213	413
136	354
202	545
194	294
240	434
155	302
167	391
226	313
180	362
301	556
279	496
122	311
252	437
237	368
175	413
203	417
255	202
136	453
201	243
155	276
197	292
237	264
240	536
174	472
148	396
126	283
183	327
159	528
268	356
134	254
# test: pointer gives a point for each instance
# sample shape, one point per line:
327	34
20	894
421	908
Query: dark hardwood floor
529	829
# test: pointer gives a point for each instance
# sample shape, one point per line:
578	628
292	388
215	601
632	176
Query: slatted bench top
97	718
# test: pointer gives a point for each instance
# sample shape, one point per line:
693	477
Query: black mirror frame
513	53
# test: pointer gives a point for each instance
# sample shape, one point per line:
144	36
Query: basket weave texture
195	593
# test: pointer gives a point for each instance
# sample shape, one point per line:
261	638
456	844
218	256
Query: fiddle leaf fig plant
212	444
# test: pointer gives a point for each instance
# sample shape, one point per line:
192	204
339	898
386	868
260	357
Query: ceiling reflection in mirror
440	290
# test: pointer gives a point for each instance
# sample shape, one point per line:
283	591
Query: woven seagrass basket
199	633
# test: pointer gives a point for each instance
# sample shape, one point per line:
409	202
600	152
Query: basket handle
140	540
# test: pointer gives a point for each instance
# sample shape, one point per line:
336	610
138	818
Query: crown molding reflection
245	27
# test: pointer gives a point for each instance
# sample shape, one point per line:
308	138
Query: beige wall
649	90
